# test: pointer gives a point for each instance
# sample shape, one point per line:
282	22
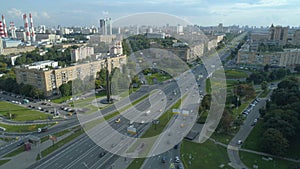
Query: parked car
163	159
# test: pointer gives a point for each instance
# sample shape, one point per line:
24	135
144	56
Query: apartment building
49	79
81	53
287	58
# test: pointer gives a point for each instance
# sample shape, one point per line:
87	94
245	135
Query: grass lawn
253	141
22	113
3	162
15	152
23	128
158	76
136	163
206	155
207	86
61	99
235	74
250	159
222	137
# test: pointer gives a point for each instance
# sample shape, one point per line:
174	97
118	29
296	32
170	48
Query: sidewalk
27	158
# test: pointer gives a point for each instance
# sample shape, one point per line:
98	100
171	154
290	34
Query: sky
200	12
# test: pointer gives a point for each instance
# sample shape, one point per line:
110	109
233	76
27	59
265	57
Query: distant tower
26	28
109	26
12	29
32	29
119	30
102	27
4	26
1	30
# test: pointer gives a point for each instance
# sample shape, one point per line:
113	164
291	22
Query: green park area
157	77
250	159
23	128
235	74
206	155
20	113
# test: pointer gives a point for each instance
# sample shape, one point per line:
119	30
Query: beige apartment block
50	79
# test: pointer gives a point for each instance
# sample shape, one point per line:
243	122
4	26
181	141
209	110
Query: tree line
9	84
281	117
264	75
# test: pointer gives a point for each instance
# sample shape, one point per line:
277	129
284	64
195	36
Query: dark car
21	143
102	154
163	159
180	166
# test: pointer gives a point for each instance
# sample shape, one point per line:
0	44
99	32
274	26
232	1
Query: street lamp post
155	122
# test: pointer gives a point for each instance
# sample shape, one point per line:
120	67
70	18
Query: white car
240	142
177	160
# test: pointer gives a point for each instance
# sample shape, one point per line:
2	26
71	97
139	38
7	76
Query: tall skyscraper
105	26
102	27
109	26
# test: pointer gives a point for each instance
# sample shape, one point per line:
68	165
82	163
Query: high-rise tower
102	27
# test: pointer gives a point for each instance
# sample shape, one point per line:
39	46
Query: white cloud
45	15
15	13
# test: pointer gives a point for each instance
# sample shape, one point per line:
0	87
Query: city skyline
203	12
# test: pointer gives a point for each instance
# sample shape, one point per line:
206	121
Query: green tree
264	85
65	89
274	143
205	104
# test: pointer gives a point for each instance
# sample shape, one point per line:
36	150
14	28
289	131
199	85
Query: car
180	166
21	143
177	160
102	154
163	159
240	142
131	122
118	120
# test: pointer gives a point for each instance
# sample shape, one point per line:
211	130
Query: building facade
279	34
287	58
81	53
49	80
296	38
